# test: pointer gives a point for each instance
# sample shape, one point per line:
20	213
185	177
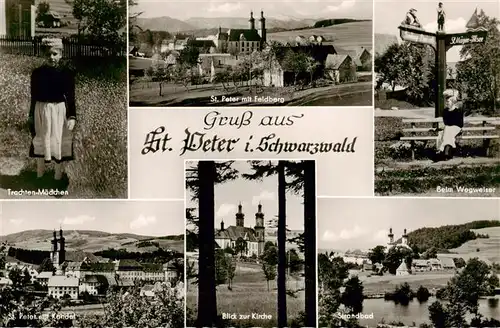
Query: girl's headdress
52	43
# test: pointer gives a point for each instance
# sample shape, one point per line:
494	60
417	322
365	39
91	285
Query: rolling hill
91	241
347	36
193	24
483	248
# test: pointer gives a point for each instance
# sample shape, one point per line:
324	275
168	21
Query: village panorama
70	286
322	62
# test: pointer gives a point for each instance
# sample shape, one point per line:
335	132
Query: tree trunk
310	241
282	312
268	289
207	298
160	87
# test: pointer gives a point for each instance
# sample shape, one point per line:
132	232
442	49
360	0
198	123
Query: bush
423	294
100	167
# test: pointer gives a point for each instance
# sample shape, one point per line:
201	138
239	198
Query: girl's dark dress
52	105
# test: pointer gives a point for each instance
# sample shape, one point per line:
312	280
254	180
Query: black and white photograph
92	264
251	243
63	99
244	53
437	98
408	262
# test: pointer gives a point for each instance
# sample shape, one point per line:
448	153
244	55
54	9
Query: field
249	295
100	166
387	283
89	241
396	173
347	35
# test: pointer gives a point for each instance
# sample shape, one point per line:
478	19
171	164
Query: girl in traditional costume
52	114
453	119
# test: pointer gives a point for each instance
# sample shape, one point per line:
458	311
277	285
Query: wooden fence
72	47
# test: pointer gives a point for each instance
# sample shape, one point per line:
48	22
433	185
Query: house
170	272
129	270
153	272
17	18
316	39
43	277
402	270
63	285
251	239
447	263
340	68
278	75
98	268
90	284
210	64
435	264
421	265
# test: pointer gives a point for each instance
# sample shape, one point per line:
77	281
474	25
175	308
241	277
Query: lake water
414	312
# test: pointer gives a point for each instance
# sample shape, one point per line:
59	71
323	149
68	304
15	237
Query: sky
363	223
149	218
279	9
390	14
228	195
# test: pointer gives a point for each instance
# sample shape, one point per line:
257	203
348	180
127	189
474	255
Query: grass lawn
100	166
249	295
387	283
469	169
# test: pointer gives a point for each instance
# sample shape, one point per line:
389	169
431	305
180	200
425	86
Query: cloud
345	4
344	234
226	7
142	221
380	237
264	195
451	25
225	209
16	221
77	220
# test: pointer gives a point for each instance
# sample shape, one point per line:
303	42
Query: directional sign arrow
417	35
461	39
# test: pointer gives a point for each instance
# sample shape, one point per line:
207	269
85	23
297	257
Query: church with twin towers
243	41
254	237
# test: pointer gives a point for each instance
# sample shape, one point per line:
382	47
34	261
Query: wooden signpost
441	43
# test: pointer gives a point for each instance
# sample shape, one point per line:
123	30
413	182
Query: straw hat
52	43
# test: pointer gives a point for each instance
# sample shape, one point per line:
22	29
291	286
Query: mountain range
173	25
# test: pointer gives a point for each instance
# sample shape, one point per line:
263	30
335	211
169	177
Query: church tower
54	255
240	217
62	248
252	21
404	239
262	29
259	228
391	237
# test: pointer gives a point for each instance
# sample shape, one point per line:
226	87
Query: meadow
249	295
396	173
100	166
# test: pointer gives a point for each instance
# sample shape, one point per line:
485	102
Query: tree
377	254
295	264
102	19
478	74
200	181
353	297
395	256
282	313
295	62
411	66
463	292
16	276
269	260
438	315
189	56
311	67
231	269
26	277
130	310
221	272
241	246
132	22
158	72
423	294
